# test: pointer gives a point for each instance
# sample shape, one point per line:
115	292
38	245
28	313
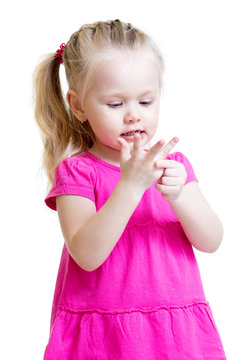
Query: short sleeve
180	157
73	177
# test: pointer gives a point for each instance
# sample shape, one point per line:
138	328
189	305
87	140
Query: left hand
172	180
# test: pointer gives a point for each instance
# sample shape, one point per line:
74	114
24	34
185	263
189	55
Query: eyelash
146	103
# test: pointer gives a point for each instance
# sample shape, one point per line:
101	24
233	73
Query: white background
200	104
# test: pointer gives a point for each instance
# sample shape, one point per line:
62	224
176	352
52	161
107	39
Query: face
124	96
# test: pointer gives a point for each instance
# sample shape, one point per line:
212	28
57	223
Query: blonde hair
62	133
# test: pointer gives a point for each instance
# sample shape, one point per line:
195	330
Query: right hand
139	168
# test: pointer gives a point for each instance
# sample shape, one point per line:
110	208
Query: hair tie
59	53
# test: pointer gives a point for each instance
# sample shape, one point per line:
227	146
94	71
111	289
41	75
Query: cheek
110	118
96	116
106	115
153	124
154	118
104	124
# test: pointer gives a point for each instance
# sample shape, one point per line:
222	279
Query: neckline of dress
101	161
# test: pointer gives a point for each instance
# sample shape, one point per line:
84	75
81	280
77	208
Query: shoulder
75	166
177	156
180	157
73	176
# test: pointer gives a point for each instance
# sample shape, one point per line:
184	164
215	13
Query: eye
145	103
114	105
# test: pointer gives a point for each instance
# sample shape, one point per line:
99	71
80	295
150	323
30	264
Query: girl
128	285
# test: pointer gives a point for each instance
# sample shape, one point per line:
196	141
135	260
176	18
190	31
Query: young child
128	285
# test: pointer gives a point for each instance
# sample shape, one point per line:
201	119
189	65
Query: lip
131	137
132	130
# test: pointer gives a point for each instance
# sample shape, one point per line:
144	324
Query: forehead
126	70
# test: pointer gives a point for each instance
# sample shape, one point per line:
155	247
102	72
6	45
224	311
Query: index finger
168	147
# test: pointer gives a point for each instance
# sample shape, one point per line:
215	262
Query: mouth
129	136
131	133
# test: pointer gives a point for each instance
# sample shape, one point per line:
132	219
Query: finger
171	172
136	144
169	181
167	164
168	147
155	149
167	190
124	150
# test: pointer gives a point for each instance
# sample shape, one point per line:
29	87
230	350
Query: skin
171	173
124	97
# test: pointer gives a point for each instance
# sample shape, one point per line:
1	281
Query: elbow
209	248
84	265
213	248
219	236
89	268
93	267
216	239
83	260
216	245
219	239
211	245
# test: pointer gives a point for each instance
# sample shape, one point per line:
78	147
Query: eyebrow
119	94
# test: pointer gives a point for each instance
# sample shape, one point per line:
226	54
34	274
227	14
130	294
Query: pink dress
146	301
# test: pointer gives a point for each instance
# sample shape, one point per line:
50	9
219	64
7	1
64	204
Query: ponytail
59	128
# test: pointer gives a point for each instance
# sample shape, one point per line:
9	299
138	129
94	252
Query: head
109	66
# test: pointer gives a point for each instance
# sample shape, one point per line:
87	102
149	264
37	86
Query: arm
94	241
200	223
91	236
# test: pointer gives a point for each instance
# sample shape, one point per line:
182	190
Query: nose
132	114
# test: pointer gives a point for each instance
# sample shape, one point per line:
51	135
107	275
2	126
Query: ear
73	100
